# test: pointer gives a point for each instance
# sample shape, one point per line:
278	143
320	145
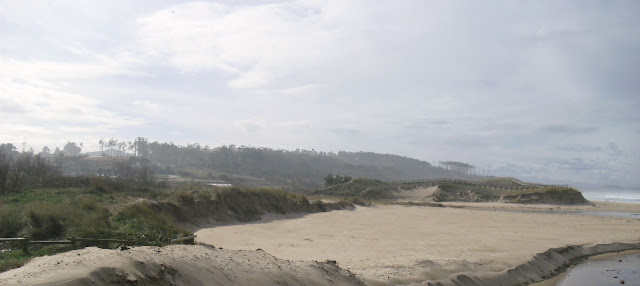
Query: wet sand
401	244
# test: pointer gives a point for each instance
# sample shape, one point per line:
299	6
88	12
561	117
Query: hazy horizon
543	91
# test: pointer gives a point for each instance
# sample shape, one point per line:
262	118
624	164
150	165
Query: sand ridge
174	265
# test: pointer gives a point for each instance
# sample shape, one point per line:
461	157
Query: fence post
73	242
25	245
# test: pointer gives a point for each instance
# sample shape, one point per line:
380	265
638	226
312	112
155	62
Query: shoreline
607	256
545	266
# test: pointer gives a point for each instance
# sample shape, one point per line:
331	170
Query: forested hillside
243	166
290	168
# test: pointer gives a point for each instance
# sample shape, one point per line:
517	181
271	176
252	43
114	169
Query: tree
71	149
5	165
102	142
142	147
45	151
122	147
112	143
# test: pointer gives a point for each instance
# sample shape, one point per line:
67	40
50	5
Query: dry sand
173	265
401	244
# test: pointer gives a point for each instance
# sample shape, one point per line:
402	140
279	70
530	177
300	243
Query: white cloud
257	44
148	107
251	125
540	88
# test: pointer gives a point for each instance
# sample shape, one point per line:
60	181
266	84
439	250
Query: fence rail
191	239
25	242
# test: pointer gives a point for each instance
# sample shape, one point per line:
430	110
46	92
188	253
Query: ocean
621	195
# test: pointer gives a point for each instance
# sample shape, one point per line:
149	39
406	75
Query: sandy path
397	243
417	194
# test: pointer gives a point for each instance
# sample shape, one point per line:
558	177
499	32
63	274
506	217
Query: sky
546	91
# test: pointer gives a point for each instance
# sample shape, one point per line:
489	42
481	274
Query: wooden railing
191	239
73	241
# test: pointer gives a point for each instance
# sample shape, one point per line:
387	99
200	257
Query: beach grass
148	216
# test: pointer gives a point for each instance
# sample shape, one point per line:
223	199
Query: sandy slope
402	244
421	194
173	265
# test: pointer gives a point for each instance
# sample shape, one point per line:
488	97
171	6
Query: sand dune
400	244
173	265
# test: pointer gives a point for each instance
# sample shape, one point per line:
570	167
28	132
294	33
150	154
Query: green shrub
205	196
44	226
146	227
185	197
11	222
87	204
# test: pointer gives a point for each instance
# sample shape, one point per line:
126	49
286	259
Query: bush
11	222
44	226
146	226
185	198
357	201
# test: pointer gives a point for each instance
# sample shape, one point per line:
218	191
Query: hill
264	167
451	190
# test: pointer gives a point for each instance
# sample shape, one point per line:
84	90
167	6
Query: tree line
19	170
298	166
26	169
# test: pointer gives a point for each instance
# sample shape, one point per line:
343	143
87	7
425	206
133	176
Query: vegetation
331	180
495	189
259	167
367	189
48	196
148	215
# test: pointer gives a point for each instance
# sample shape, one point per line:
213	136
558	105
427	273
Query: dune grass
148	216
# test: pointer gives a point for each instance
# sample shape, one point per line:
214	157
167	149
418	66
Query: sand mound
174	265
420	194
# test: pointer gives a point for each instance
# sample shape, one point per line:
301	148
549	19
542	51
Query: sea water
621	195
622	270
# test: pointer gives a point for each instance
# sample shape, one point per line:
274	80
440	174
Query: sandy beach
399	244
378	245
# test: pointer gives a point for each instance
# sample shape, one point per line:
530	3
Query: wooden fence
191	239
73	241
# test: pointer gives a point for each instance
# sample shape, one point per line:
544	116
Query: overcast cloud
542	90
